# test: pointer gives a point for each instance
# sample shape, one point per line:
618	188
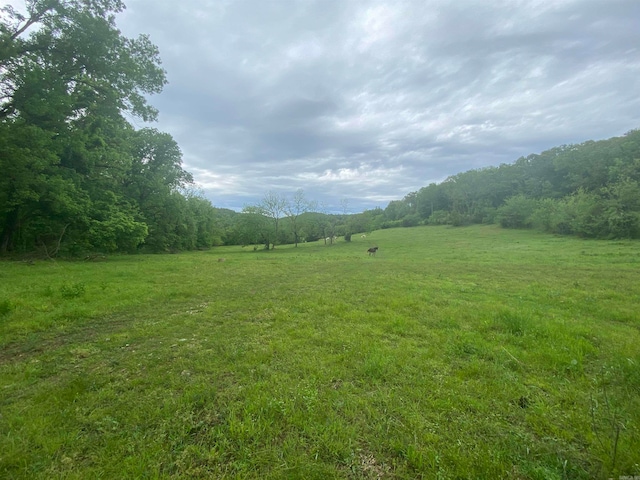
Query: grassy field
454	353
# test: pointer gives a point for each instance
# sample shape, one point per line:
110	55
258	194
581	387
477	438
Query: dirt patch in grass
37	343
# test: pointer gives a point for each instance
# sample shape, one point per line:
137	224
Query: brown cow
372	251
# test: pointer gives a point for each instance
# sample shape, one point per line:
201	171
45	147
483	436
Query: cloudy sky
370	100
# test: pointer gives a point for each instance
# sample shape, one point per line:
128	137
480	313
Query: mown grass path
453	353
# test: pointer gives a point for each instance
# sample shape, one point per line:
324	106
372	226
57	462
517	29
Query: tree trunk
8	231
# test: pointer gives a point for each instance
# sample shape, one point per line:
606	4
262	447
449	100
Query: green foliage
517	212
458	219
622	208
612	212
295	207
396	210
590	190
273	206
439	217
586	214
254	228
76	176
412	220
550	216
117	232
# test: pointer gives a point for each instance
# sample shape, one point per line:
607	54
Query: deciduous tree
67	75
273	206
294	208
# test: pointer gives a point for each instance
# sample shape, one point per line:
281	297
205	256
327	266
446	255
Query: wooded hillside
590	190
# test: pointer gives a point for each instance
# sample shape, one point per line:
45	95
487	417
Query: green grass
454	353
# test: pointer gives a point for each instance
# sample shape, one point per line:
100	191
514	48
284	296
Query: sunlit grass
454	353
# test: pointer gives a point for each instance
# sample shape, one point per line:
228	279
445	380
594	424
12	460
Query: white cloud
378	98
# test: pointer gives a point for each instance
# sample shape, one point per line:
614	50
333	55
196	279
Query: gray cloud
371	100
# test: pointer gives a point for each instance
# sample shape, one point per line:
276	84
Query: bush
590	215
585	211
517	212
623	224
622	209
411	220
439	217
552	216
459	219
391	224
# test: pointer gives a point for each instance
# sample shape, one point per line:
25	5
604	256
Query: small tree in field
329	224
253	227
294	208
273	206
348	228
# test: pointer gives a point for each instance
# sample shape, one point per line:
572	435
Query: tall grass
454	353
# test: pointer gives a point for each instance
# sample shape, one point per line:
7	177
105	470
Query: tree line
280	219
590	189
76	176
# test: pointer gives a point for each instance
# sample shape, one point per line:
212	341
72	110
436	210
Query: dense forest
590	190
77	177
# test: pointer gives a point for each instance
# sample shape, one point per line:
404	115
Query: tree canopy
591	189
76	175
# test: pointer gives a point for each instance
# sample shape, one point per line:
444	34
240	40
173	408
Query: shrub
517	212
459	219
585	211
623	224
622	209
439	217
411	220
554	216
